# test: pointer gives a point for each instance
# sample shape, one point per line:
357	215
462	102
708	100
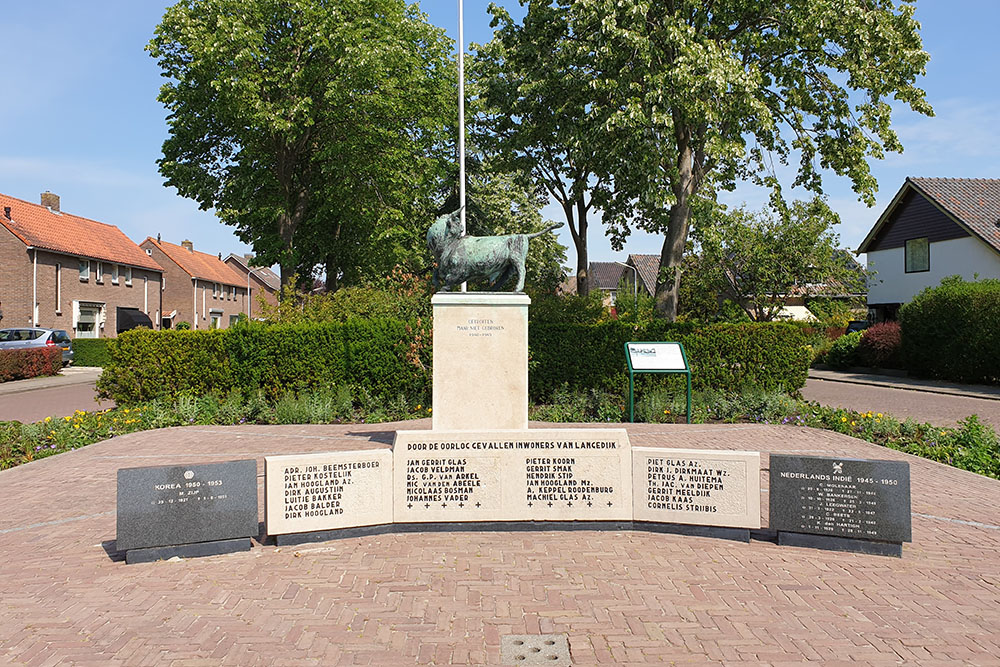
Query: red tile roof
200	265
37	226
605	275
974	203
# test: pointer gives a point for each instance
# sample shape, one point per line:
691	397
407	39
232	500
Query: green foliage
183	326
22	364
844	352
950	332
317	129
756	259
880	346
671	102
272	360
833	313
90	352
725	356
398	296
569	309
634	306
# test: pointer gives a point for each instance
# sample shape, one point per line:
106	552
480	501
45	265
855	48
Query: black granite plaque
174	505
854	498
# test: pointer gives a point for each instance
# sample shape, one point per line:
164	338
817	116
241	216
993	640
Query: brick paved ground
937	409
623	597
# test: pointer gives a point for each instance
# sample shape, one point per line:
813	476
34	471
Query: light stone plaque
480	361
516	475
696	486
315	492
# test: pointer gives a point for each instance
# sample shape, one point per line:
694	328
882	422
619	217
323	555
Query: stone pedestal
480	361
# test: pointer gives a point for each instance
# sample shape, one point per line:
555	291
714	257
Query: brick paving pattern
622	597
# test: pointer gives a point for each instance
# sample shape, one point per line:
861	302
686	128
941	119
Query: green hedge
148	364
951	332
29	363
389	358
725	357
91	352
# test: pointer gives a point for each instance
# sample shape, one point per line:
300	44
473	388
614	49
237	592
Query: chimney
187	245
158	239
220	256
248	256
51	201
6	212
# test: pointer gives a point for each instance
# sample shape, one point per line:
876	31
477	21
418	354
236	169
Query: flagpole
461	116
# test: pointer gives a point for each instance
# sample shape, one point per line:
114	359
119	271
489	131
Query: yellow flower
48	419
853	423
843	419
66	418
943	433
52	432
76	426
428	409
419	407
879	415
126	410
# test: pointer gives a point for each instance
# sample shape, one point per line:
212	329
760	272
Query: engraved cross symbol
426	505
590	504
530	505
550	503
461	504
409	505
477	504
444	504
609	503
570	503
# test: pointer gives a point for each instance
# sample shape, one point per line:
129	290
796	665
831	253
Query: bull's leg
518	261
502	279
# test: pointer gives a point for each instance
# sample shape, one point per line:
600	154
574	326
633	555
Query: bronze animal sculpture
461	258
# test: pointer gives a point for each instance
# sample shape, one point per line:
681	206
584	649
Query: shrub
950	332
90	352
22	364
722	356
273	359
880	346
844	351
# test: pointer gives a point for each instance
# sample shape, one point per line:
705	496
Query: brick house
198	288
62	271
262	281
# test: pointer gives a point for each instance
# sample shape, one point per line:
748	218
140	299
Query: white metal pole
461	117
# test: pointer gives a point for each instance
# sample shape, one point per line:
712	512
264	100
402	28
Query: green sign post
655	358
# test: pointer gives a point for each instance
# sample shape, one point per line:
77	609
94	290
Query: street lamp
250	273
635	289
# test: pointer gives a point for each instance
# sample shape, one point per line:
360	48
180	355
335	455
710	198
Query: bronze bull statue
461	258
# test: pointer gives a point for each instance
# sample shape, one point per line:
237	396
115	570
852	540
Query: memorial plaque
317	492
696	486
854	498
522	475
176	505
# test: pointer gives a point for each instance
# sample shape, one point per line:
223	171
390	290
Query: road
37	398
937	409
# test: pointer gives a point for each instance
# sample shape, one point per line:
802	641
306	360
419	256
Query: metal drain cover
534	650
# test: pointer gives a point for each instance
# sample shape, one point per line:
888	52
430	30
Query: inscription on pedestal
853	498
315	492
693	486
551	474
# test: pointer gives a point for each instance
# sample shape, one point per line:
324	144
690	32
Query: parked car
857	325
29	337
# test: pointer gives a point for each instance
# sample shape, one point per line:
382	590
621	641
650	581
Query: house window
58	289
100	273
233	319
215	290
918	255
128	275
84	270
114	274
216	321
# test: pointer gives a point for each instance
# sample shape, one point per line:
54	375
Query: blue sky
79	116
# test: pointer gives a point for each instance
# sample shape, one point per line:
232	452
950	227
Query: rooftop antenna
461	117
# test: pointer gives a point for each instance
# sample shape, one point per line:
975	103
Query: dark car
857	325
23	338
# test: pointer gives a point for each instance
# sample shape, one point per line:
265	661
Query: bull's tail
545	231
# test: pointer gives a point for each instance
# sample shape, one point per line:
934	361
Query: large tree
701	94
757	259
534	115
312	126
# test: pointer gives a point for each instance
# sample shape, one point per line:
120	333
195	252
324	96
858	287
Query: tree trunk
671	256
332	270
578	230
288	222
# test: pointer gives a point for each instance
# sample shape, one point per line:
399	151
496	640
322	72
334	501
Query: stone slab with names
518	475
186	504
696	486
327	491
852	498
